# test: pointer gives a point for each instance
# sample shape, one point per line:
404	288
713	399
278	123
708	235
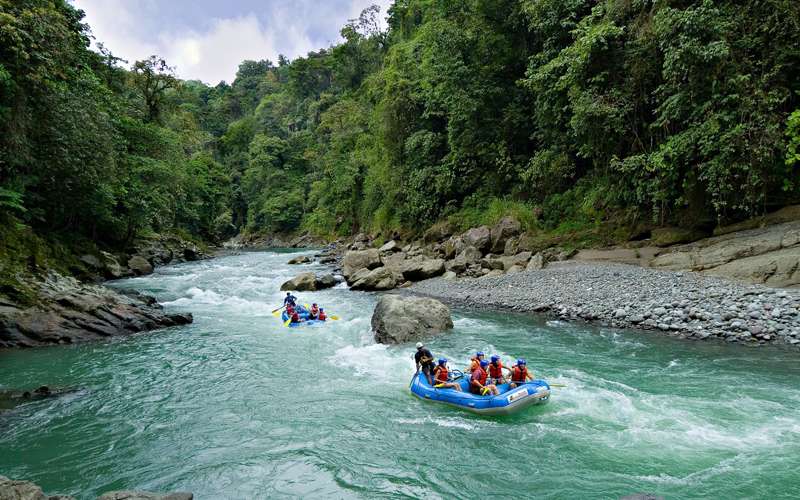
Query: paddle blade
287	322
334	318
276	313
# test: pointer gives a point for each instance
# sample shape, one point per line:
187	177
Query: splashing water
238	406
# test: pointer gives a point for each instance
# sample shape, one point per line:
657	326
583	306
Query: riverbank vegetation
574	116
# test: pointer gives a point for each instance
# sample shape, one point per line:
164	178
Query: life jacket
322	316
496	371
441	374
480	375
519	375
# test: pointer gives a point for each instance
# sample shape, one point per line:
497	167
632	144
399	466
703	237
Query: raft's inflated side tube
303	313
507	402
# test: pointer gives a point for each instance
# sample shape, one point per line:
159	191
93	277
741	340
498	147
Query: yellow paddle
287	322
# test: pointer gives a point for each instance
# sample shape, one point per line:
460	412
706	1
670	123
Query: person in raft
313	313
322	316
292	314
424	359
290	300
475	361
441	377
496	370
478	383
520	373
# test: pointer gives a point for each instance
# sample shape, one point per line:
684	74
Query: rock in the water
139	265
381	278
326	281
303	282
478	237
356	260
506	228
398	319
24	490
68	311
302	259
418	270
144	495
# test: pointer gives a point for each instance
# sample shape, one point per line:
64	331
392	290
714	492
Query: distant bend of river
236	405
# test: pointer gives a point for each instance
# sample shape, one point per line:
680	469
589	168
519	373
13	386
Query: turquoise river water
237	406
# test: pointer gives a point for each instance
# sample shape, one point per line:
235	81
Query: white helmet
420	345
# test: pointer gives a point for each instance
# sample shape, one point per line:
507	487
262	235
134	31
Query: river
236	405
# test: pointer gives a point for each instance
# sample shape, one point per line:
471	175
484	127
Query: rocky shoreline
683	304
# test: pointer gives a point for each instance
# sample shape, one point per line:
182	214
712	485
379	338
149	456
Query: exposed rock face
24	490
381	278
536	263
360	259
302	259
438	232
309	282
70	312
506	228
389	247
769	255
139	265
466	258
666	236
418	269
478	237
398	320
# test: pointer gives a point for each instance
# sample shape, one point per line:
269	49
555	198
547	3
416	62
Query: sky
207	39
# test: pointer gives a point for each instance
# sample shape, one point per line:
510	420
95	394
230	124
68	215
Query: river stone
24	490
449	275
506	228
418	270
144	495
453	246
389	247
398	320
378	279
301	259
139	265
536	263
478	237
491	262
438	232
303	282
466	258
361	259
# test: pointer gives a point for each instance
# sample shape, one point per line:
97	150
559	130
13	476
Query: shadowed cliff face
67	311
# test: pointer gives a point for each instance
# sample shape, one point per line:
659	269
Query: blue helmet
442	361
484	363
495	358
521	362
479	354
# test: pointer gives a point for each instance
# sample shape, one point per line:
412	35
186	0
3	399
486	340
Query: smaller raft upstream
509	400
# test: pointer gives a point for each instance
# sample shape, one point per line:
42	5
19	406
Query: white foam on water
673	363
376	361
198	296
450	423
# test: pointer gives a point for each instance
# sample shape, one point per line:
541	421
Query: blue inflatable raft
303	313
507	402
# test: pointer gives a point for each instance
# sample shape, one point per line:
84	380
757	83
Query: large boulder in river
478	237
139	265
302	259
356	260
397	320
309	282
506	228
422	269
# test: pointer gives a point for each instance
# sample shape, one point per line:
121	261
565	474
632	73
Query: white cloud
212	52
215	54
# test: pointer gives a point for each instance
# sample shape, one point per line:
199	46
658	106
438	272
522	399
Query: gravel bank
683	304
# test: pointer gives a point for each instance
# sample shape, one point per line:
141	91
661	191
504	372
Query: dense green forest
567	113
